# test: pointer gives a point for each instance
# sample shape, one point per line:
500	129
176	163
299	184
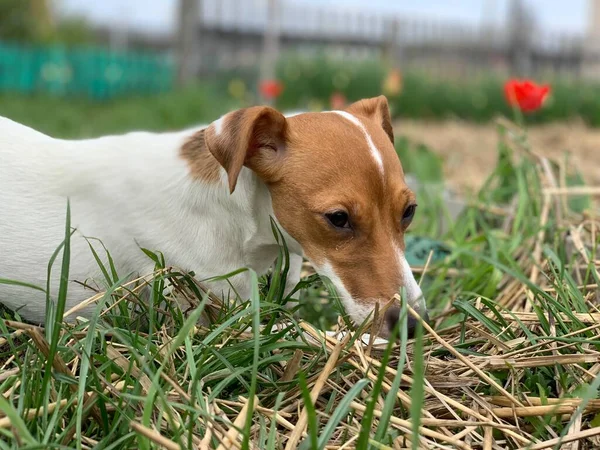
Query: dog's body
128	191
168	192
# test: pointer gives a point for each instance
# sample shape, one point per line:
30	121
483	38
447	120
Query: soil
469	151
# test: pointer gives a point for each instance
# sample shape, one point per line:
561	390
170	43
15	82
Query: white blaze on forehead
414	294
218	124
374	151
293	113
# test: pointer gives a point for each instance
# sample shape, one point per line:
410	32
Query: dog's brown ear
375	108
253	137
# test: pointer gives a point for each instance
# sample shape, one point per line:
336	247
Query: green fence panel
85	71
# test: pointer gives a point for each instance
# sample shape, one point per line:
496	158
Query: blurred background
79	68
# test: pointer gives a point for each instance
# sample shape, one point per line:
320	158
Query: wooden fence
230	35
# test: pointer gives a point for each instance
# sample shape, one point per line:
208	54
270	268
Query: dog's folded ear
254	137
377	109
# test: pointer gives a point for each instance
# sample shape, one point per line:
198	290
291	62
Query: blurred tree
42	18
72	31
32	21
16	21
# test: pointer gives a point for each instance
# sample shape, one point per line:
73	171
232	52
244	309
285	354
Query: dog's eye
408	215
338	219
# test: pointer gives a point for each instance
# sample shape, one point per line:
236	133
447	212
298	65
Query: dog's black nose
392	317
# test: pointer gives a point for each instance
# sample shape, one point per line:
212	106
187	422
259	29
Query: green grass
137	381
83	118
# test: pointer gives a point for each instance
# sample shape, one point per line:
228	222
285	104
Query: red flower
271	89
525	94
337	100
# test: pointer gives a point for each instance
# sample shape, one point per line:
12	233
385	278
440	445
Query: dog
204	197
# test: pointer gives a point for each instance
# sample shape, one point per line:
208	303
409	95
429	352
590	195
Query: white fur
218	124
414	295
129	191
294	113
374	151
357	311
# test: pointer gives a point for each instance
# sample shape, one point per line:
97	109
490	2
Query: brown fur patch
203	165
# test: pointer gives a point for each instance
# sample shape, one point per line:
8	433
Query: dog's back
37	175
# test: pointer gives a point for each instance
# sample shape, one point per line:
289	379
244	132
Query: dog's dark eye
338	219
408	215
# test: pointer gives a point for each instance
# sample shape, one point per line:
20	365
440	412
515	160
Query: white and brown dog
204	197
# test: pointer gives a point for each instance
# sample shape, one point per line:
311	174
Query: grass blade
54	320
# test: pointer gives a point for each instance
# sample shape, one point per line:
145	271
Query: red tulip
337	100
525	94
271	89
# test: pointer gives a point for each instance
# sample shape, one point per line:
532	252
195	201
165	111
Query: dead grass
469	150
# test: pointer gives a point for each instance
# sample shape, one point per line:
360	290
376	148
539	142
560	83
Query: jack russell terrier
204	197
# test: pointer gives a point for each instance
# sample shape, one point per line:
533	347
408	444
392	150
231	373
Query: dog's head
337	188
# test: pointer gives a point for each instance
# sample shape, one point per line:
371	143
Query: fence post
187	40
392	47
520	46
270	52
591	43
